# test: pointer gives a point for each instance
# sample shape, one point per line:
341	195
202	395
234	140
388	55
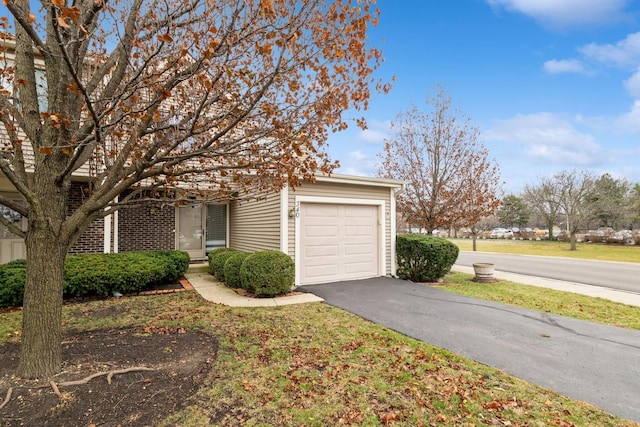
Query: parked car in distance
599	236
556	233
501	233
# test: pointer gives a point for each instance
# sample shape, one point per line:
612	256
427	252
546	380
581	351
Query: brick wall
140	228
92	240
146	228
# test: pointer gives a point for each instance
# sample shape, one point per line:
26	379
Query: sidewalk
213	290
629	298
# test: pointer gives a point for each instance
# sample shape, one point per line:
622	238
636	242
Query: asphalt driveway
587	361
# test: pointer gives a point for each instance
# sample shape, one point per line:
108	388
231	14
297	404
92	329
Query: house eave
361	180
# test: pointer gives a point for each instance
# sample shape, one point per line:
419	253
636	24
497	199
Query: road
614	275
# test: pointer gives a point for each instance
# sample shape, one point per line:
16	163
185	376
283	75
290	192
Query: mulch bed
179	361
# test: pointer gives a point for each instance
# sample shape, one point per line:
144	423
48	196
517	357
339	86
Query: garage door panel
338	242
365	249
356	269
323	211
321	251
321	231
357	231
363	211
330	270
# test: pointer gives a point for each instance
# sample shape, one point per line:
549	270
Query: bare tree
450	180
216	99
572	191
565	193
542	200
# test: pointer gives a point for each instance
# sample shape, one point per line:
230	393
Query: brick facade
92	240
146	228
140	228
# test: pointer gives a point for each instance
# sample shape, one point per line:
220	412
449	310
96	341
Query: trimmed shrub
12	278
176	263
424	258
101	274
267	273
232	269
217	258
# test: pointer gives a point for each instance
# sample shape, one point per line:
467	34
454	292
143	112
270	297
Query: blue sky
551	84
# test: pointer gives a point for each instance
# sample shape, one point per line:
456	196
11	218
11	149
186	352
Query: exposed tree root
56	389
109	375
7	398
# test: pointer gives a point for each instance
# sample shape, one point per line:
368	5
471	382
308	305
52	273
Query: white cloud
372	136
632	84
376	132
562	13
358	163
548	138
555	66
630	122
625	53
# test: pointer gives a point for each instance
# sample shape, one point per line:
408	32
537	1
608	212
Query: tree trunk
46	245
473	239
572	239
40	354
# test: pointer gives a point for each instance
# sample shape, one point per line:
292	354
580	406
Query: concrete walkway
213	290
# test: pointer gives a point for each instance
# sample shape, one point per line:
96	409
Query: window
216	227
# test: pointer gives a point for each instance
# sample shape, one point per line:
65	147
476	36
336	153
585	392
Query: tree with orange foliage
450	180
215	98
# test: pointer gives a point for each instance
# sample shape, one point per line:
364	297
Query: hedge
423	258
217	258
12	278
268	273
232	269
101	274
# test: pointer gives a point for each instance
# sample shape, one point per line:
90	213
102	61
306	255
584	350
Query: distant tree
635	205
572	189
541	198
610	202
450	179
514	211
219	98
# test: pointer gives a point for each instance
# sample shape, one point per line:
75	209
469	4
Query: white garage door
338	242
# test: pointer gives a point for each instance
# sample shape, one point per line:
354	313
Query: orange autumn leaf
62	22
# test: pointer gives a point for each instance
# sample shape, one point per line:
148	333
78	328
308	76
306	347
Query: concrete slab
213	290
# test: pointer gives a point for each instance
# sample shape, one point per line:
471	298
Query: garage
339	242
337	228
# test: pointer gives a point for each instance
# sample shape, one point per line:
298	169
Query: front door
201	229
191	230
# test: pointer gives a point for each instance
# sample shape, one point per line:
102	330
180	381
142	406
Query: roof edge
361	180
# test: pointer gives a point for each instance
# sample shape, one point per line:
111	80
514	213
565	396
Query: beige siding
344	191
255	225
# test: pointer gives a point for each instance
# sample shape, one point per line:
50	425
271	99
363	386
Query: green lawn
546	300
315	365
595	251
